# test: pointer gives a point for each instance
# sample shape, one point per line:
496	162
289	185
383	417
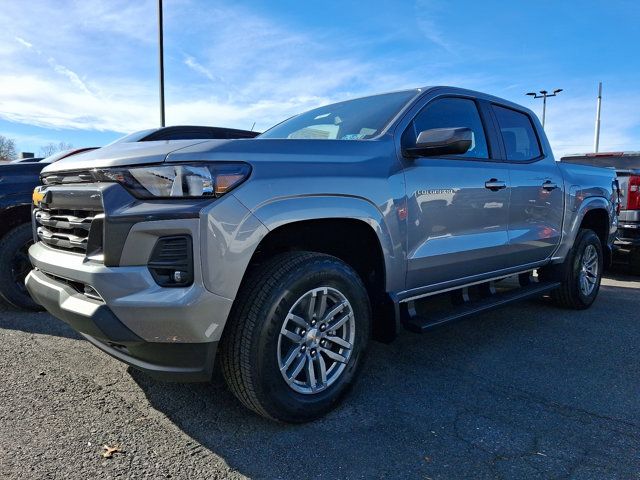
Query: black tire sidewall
285	403
9	245
586	237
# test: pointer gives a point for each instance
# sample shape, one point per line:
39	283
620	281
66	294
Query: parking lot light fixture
543	95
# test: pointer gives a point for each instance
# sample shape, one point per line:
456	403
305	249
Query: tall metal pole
161	49
544	108
596	139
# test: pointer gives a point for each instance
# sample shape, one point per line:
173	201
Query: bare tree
51	148
7	149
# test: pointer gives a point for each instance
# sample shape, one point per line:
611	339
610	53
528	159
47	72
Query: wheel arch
598	220
593	212
348	228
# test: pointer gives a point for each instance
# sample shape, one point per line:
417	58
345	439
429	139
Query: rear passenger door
457	204
536	210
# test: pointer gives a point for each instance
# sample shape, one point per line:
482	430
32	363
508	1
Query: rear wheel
297	336
581	273
14	267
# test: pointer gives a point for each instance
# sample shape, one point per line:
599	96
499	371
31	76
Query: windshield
357	119
55	157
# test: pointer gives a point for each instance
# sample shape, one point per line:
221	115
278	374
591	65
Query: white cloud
193	64
427	16
23	42
71	75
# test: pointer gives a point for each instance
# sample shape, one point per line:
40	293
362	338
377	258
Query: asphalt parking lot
530	391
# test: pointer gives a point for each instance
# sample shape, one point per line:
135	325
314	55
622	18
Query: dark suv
17	181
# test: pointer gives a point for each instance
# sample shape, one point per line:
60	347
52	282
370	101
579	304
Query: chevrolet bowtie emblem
37	196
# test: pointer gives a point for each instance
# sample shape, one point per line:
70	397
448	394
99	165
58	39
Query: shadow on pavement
527	391
34	322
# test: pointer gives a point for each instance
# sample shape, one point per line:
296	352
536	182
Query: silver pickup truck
283	255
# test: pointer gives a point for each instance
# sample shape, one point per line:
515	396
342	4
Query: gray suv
283	255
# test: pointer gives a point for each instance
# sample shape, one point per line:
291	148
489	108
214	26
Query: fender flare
587	205
288	210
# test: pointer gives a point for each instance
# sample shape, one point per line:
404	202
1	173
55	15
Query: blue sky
85	72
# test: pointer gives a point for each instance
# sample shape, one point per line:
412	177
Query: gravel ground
529	391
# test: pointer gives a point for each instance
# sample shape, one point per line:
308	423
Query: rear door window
518	135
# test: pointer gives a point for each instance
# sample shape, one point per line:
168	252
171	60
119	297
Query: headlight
183	180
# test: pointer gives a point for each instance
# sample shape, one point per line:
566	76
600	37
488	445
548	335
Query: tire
14	266
256	342
571	294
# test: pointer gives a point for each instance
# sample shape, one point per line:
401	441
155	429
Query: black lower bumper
187	362
627	243
628	235
174	362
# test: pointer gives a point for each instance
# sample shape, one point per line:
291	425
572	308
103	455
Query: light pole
161	51
596	138
543	95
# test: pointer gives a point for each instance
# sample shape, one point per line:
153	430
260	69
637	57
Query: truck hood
274	150
121	154
254	151
7	170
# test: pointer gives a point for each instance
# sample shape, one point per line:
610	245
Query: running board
419	324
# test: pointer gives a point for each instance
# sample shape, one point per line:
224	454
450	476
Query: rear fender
576	211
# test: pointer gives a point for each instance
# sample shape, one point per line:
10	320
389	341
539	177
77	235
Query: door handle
549	185
494	184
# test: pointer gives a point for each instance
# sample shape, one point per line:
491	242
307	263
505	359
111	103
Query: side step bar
419	324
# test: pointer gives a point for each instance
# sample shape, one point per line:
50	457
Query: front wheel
14	267
581	273
296	336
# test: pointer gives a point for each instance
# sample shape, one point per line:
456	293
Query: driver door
458	206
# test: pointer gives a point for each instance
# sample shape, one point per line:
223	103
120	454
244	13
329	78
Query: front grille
67	177
65	229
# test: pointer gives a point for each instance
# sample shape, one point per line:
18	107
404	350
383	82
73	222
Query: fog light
180	277
171	262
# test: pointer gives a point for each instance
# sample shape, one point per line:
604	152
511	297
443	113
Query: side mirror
441	141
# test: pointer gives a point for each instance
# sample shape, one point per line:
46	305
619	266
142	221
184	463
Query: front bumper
104	289
169	360
112	299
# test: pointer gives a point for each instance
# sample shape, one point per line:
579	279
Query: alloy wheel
588	275
316	340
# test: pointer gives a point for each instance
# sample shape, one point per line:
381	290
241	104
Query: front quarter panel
287	210
230	236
